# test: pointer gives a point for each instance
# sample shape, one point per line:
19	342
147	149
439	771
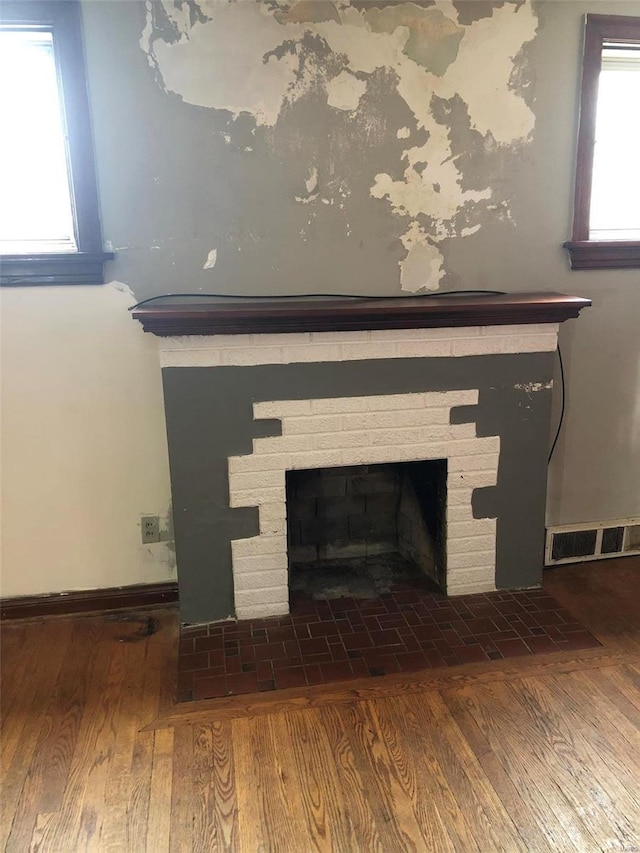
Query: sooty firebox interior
357	531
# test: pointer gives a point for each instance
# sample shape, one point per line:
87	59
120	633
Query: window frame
86	265
583	252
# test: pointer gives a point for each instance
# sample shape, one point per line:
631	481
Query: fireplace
348	431
448	397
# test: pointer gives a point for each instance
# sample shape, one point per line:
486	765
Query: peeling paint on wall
344	91
229	62
312	181
433	39
281	65
212	257
422	268
530	387
308	11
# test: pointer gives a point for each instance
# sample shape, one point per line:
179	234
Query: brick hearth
411	628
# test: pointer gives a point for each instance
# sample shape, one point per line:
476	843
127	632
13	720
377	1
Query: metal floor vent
571	543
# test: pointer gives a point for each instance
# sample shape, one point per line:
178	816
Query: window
606	219
49	215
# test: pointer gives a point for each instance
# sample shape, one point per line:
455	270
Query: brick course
305	347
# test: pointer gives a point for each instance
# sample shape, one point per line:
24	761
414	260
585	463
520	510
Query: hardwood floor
530	755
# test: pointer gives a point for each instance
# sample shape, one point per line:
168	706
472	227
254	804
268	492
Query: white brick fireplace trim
343	431
303	347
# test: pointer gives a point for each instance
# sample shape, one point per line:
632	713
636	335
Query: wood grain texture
604	772
270	807
526	812
357	802
601	254
327	821
88	600
28	680
517	747
393	812
506	757
161	788
322	696
493	827
253	316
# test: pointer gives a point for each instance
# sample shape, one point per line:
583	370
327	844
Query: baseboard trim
85	601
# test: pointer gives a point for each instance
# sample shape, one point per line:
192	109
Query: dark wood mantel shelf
229	317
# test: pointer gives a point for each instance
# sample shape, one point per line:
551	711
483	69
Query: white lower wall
83	445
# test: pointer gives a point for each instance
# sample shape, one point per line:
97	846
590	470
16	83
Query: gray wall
276	137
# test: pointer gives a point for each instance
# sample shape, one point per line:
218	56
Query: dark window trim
86	265
585	253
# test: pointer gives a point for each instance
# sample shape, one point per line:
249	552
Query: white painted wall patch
344	91
212	257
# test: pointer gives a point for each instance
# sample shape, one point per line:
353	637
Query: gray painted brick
267	427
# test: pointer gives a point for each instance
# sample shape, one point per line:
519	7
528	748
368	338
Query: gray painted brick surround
209	414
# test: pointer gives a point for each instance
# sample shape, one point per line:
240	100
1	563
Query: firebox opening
357	531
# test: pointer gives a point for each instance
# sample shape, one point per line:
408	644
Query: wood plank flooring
519	755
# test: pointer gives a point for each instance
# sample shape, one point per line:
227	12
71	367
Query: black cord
562	386
312	296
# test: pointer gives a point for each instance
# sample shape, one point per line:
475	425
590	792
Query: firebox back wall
209	412
342	512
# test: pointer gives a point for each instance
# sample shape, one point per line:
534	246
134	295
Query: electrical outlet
150	525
